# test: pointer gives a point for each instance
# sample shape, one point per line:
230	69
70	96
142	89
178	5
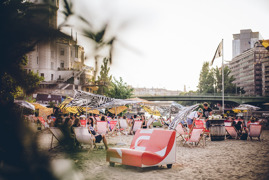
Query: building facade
245	40
247	69
59	61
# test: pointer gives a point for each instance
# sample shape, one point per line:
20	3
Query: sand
228	159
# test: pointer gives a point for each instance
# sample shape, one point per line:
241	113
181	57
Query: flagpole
222	79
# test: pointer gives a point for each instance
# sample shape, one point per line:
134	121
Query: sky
164	43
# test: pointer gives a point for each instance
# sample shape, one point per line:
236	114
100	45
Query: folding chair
183	133
255	130
101	127
137	125
232	131
194	137
123	126
149	123
83	136
201	125
57	134
113	127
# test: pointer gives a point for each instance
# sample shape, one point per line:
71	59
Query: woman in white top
192	116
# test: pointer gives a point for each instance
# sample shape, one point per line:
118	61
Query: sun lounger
113	125
57	134
123	126
137	125
195	136
44	124
255	131
149	123
83	136
232	131
181	131
149	147
101	127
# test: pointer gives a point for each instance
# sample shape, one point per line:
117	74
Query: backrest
137	125
199	124
41	119
150	121
159	141
180	129
101	127
82	135
255	130
123	123
196	134
57	133
231	130
113	124
83	122
97	118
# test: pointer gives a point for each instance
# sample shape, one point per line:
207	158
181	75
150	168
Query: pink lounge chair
181	131
112	124
101	127
232	131
83	122
195	136
255	130
137	125
149	147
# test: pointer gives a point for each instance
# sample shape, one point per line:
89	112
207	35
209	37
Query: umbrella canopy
148	109
182	115
25	104
117	110
39	106
247	107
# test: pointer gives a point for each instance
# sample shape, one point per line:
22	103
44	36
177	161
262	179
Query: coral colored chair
195	136
149	147
101	127
232	131
83	136
255	130
137	125
181	131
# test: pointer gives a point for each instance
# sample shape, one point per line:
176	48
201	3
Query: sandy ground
229	159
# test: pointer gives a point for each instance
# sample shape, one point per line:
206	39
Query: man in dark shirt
207	111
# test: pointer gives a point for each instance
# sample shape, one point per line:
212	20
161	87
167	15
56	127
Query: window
42	75
51	77
36	60
62	65
62	52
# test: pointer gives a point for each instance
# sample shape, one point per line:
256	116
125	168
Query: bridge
205	98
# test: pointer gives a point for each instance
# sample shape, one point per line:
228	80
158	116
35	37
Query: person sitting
97	137
69	138
238	127
144	122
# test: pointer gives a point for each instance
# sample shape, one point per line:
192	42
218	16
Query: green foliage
120	90
104	79
206	80
210	80
22	27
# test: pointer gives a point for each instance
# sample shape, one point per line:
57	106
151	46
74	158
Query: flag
218	53
265	43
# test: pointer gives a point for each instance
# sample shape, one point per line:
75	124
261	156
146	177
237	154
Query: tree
229	86
21	31
120	90
206	80
104	79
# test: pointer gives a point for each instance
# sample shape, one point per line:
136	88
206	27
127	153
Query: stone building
60	61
